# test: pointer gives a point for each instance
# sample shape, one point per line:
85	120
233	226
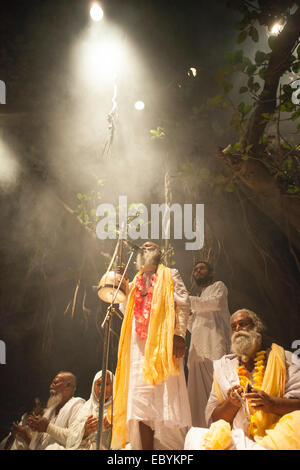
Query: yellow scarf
159	361
273	384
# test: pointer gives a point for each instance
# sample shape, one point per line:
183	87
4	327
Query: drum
108	286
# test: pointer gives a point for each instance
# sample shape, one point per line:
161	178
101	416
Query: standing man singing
209	324
151	407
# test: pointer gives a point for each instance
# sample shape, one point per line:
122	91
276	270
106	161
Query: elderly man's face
59	385
149	246
149	256
245	339
241	321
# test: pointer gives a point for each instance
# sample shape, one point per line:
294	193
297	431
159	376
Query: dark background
44	250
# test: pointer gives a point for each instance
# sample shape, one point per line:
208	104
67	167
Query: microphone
132	245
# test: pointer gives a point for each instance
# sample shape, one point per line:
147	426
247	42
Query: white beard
54	401
147	259
245	344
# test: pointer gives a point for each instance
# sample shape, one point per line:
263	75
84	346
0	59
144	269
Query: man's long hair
210	277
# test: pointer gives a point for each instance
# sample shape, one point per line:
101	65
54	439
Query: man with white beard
151	407
62	410
255	398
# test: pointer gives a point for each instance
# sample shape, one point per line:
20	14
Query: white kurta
227	377
18	443
64	419
209	324
164	407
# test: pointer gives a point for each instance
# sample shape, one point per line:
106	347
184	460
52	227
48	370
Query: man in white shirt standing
209	325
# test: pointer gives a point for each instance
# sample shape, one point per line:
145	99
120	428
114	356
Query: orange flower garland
259	366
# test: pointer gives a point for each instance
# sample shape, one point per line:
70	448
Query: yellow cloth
219	436
274	385
285	435
159	361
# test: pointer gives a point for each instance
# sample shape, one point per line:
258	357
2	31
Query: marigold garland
258	375
142	305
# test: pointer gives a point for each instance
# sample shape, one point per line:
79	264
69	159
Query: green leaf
216	99
262	72
229	188
267	116
251	69
271	42
227	86
204	172
253	33
256	87
295	115
79	196
236	146
260	57
242	37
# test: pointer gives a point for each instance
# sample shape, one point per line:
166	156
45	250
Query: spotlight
139	105
192	72
276	28
96	12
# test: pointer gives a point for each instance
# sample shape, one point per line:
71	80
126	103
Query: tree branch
283	47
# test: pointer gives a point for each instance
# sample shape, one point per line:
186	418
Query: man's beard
245	344
54	401
203	281
147	258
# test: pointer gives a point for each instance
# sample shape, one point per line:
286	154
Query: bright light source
139	105
96	12
192	72
276	29
102	59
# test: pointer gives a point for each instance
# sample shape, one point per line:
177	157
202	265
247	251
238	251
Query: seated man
62	410
256	392
20	434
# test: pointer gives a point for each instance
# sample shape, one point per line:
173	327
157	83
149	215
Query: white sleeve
74	412
58	433
212	404
214	303
182	304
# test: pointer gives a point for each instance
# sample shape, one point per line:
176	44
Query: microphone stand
107	330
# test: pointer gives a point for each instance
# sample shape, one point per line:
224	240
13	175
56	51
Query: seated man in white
61	412
20	434
255	398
